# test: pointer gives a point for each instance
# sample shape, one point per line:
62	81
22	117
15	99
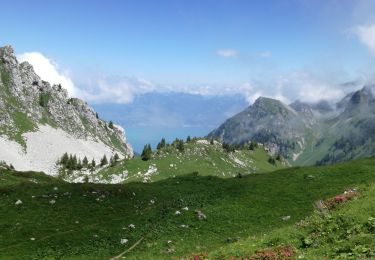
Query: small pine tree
161	144
93	163
272	160
110	125
180	146
104	161
64	159
211	141
253	145
116	157
85	162
86	179
146	153
74	162
188	139
278	157
69	163
97	115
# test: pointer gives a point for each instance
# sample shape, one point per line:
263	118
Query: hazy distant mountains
308	133
169	109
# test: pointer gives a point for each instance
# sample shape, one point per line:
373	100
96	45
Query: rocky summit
39	122
307	133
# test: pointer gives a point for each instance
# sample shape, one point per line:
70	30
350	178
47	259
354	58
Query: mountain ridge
306	133
33	111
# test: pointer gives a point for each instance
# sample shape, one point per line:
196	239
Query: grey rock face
26	101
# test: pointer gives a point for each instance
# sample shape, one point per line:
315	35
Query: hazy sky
111	51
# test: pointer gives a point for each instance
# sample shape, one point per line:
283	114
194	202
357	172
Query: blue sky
176	42
111	52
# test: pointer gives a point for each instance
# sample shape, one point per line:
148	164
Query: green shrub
44	99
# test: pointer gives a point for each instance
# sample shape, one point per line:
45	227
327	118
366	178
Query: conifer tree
79	165
104	161
161	144
93	163
180	145
146	153
85	161
64	159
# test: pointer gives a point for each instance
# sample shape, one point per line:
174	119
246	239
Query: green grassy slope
346	231
198	156
88	221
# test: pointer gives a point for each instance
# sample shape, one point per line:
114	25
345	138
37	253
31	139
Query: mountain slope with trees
307	134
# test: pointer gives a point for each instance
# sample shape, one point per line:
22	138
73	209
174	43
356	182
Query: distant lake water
138	136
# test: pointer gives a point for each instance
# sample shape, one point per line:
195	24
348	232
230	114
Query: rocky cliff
39	121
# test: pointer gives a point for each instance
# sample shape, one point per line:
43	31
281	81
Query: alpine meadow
175	129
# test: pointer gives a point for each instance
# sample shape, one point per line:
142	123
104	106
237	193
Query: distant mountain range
39	122
306	134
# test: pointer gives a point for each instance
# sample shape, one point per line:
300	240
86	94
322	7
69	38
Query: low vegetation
191	216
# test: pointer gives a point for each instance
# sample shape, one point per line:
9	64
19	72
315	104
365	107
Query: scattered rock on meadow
18	202
285	218
123	241
200	215
170	250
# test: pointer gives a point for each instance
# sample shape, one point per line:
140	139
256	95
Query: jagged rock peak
30	105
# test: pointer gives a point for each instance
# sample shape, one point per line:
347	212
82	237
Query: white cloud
265	54
97	89
116	89
121	90
305	87
366	35
227	53
48	70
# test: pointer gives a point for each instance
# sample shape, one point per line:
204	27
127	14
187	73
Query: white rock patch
46	146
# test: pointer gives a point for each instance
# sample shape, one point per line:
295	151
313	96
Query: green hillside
199	156
42	217
346	231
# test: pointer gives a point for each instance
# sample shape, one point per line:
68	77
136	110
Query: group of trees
71	162
232	147
178	144
228	147
272	159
